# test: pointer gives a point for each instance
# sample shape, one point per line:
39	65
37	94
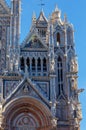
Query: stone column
41	66
30	66
36	66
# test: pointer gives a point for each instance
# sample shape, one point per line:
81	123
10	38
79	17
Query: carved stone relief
9	86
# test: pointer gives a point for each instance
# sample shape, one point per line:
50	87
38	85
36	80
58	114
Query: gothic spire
56	15
34	18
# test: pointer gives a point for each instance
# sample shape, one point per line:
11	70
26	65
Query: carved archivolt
27	113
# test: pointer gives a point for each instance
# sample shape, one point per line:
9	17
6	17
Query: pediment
33	41
62	99
26	88
4	9
41	20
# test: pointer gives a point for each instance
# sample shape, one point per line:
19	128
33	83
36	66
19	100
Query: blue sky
75	10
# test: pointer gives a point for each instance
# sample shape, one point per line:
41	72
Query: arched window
44	64
42	32
22	65
28	63
58	38
33	64
39	64
0	32
60	75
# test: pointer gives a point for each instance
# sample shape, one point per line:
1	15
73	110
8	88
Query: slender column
30	66
15	33
42	66
24	63
47	66
36	67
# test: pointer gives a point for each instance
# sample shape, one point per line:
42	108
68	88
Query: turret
56	15
15	33
15	22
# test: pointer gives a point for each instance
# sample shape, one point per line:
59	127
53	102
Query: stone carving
54	122
26	122
26	89
73	65
48	79
34	54
53	109
9	87
73	84
71	110
44	88
78	111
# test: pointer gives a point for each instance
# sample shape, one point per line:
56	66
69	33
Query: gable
41	21
27	88
34	42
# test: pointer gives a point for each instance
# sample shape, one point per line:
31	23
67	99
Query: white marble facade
39	75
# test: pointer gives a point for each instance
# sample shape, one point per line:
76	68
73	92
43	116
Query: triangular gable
62	98
42	18
4	9
26	88
34	41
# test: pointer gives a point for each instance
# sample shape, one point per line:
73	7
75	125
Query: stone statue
53	109
26	89
78	111
73	65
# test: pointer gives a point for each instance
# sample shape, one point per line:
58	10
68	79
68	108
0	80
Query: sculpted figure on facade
73	65
34	73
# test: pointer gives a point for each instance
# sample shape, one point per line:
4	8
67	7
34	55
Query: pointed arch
58	38
60	74
28	63
22	63
27	108
44	64
33	64
39	64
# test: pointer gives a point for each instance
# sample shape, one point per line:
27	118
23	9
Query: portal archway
27	113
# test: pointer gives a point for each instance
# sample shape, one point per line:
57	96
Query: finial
41	4
34	17
65	18
56	8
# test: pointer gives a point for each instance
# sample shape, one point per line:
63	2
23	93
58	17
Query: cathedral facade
38	78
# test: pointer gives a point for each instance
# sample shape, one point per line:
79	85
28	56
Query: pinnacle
56	8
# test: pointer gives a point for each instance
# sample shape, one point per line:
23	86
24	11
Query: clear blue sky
75	10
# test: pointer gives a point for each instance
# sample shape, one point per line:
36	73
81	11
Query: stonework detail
38	78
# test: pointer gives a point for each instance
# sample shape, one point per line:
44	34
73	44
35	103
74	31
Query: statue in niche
71	108
53	109
52	66
73	84
11	66
52	63
26	89
73	65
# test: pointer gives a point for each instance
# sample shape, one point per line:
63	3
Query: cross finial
41	4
